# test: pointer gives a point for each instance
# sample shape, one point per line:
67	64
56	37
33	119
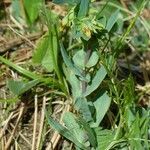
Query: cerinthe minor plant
84	72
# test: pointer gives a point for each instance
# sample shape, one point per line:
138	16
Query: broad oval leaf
70	64
82	106
20	87
75	84
92	60
84	7
71	123
90	131
112	20
32	8
80	56
104	139
46	52
40	49
100	75
101	105
64	131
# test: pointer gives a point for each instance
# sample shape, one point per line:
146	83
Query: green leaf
75	83
71	2
20	87
17	12
52	53
64	131
112	20
90	132
100	75
135	133
129	116
69	63
104	138
47	61
41	49
101	105
31	75
50	59
43	53
71	123
18	68
92	60
32	8
129	91
102	21
80	56
9	100
81	105
84	7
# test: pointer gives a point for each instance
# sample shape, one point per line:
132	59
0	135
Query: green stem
88	52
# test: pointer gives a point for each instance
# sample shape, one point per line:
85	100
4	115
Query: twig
22	136
124	4
14	130
54	140
16	22
5	25
2	144
14	138
42	123
13	43
12	115
35	124
21	36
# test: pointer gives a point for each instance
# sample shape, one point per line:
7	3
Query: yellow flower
86	31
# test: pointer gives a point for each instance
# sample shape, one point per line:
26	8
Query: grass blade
122	39
31	75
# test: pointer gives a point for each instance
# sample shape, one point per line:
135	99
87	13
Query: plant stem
88	52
